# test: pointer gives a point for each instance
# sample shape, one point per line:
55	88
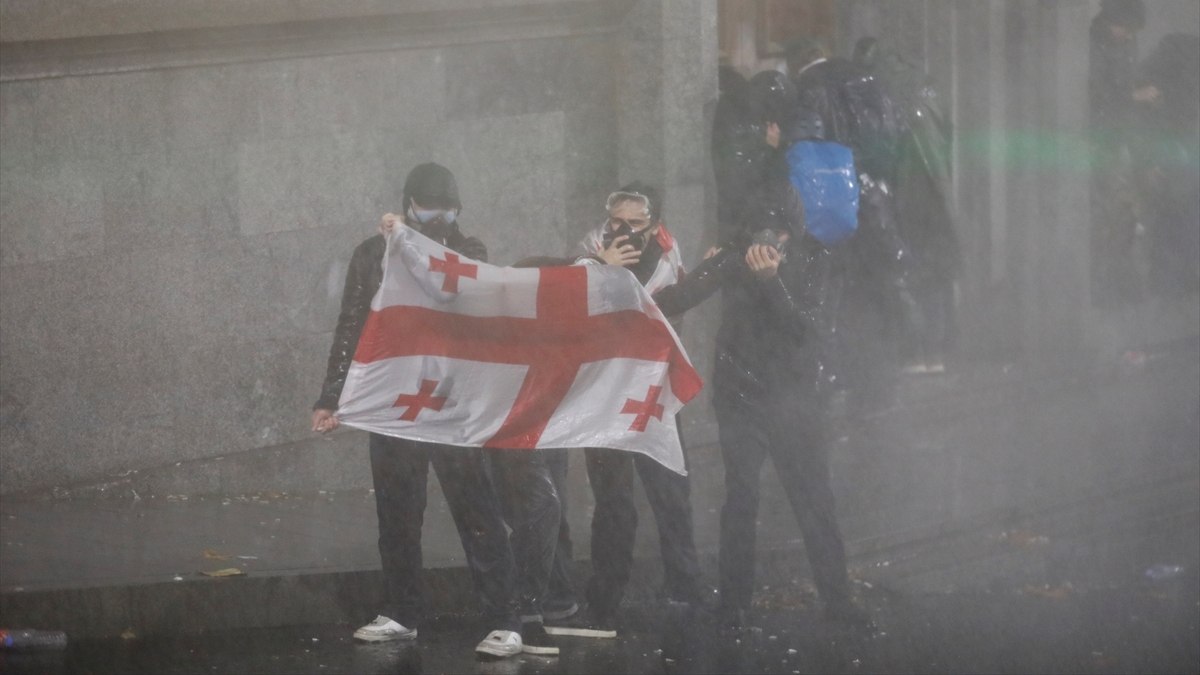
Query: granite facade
175	226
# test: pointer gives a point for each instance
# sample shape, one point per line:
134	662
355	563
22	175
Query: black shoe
847	613
534	640
585	623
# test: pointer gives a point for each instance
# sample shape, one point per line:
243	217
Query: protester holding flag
459	352
399	466
633	236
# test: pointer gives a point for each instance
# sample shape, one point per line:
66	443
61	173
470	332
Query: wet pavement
1141	626
1011	522
1039	596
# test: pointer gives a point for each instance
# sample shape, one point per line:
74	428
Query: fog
182	186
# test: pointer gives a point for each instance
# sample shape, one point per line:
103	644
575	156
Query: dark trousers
614	526
532	508
791	429
562	592
399	469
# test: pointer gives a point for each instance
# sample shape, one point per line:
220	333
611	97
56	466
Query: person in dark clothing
737	151
633	235
923	201
771	398
840	101
1166	158
1112	96
772	378
399	466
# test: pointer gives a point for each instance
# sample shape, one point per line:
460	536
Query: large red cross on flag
464	353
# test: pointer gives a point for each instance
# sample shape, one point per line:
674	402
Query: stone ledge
420	25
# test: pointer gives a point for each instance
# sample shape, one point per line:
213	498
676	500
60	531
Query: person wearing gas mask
771	379
399	466
633	236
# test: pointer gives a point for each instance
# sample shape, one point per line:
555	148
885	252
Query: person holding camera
632	235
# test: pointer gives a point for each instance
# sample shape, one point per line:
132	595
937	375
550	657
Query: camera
769	237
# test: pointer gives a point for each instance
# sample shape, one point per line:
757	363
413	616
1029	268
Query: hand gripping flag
464	353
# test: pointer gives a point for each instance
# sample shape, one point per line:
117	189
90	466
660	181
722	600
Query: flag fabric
460	352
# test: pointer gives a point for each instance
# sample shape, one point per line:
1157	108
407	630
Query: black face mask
651	254
637	241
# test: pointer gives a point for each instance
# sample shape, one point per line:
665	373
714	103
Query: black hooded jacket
363	279
851	108
774	334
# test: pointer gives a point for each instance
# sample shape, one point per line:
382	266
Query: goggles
619	197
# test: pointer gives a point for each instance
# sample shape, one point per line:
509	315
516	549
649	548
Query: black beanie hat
431	184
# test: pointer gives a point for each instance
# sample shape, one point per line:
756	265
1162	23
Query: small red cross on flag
644	409
453	269
424	398
551	357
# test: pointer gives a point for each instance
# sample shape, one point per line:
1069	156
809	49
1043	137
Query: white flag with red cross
464	353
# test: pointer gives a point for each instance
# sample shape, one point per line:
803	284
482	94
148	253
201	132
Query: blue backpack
823	173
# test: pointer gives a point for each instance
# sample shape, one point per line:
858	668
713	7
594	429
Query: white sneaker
383	629
500	644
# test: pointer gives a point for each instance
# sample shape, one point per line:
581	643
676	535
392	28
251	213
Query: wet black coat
851	108
1112	70
739	151
774	334
363	279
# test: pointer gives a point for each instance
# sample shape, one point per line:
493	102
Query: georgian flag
464	353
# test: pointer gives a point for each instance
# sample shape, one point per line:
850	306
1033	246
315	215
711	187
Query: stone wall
182	187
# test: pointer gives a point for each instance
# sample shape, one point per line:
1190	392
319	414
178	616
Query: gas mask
434	223
636	240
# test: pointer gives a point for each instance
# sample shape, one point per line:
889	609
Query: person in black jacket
841	101
1166	159
924	196
771	378
399	466
1113	94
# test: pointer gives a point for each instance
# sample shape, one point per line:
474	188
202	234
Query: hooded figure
1166	155
875	312
1112	79
923	197
852	107
739	151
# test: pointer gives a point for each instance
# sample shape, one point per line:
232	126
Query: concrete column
666	87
